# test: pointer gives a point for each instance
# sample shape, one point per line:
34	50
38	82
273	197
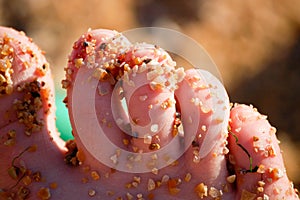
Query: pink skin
149	98
76	182
256	134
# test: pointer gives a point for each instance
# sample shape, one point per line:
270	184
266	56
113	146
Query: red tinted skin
29	142
38	157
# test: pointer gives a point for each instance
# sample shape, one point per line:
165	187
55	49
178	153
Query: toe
204	108
27	128
256	157
150	87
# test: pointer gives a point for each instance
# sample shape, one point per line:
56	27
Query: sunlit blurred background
256	45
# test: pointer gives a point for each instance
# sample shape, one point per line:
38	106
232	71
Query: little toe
256	157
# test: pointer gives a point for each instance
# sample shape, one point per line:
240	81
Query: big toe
27	127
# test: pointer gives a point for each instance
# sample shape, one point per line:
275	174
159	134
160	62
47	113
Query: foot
206	159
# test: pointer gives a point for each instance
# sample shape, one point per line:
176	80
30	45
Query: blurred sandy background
256	45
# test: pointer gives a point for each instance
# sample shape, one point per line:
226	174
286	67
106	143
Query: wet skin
244	160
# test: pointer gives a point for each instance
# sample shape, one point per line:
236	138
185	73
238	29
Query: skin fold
237	157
